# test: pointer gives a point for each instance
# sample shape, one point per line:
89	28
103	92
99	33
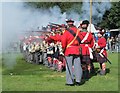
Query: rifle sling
74	34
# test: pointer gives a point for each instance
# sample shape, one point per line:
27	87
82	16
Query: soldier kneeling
101	53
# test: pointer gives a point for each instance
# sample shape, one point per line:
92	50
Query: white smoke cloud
0	47
0	27
98	9
17	18
75	16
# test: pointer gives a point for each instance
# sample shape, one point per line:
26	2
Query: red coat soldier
87	43
71	51
74	47
101	50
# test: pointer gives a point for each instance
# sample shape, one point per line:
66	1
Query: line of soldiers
42	50
71	48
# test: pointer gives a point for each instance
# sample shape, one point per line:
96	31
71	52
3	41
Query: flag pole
90	14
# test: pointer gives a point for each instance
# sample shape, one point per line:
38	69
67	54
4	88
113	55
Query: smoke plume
98	10
18	19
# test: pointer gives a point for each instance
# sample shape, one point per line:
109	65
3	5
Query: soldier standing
44	46
37	53
32	52
71	51
87	43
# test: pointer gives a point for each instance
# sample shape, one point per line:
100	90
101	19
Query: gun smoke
98	10
17	19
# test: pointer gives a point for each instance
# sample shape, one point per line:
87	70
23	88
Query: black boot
80	83
86	74
69	84
92	70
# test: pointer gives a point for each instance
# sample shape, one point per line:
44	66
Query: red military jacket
56	37
66	38
49	40
102	43
87	44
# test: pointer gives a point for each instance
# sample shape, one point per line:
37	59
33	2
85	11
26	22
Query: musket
106	58
40	31
54	24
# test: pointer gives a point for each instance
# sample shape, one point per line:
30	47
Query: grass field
24	76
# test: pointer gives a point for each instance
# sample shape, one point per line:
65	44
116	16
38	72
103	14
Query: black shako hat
85	22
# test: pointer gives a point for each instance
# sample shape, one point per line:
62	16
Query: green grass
0	72
31	77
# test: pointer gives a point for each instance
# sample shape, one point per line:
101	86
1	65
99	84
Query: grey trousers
36	57
45	58
75	61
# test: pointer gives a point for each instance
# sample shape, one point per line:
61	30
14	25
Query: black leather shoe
77	83
80	83
69	84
